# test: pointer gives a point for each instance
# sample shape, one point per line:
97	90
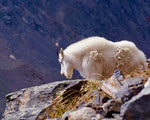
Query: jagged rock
112	104
29	103
138	108
116	86
102	106
121	90
97	99
115	117
124	90
147	84
70	91
85	113
126	93
82	104
113	84
133	81
65	115
26	104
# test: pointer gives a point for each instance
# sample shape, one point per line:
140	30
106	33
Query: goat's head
66	65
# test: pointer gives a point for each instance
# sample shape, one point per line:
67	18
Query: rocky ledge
116	98
27	103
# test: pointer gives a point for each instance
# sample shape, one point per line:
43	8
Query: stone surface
117	86
138	108
65	115
133	81
97	100
115	117
26	104
113	84
147	84
126	94
85	113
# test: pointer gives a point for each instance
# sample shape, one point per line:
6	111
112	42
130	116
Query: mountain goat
97	58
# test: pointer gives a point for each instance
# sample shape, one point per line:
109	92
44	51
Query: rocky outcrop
26	104
138	108
32	103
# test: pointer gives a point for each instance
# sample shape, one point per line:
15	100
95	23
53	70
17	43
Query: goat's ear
62	52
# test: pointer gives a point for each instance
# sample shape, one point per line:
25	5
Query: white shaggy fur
98	58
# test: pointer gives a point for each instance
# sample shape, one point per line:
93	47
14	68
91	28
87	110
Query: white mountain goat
97	58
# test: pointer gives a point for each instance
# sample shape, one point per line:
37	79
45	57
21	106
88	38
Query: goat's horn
58	53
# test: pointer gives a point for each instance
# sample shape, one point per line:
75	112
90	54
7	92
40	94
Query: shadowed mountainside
30	29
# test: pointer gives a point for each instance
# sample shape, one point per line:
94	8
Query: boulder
26	104
117	87
134	99
85	113
138	108
113	84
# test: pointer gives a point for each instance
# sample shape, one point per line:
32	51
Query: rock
112	104
97	99
147	84
133	81
73	89
30	103
115	117
138	108
27	103
65	115
113	84
104	100
126	93
82	104
121	90
85	113
116	86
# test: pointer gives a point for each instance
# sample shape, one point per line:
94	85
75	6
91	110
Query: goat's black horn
58	53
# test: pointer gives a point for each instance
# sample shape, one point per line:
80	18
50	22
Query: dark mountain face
30	29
